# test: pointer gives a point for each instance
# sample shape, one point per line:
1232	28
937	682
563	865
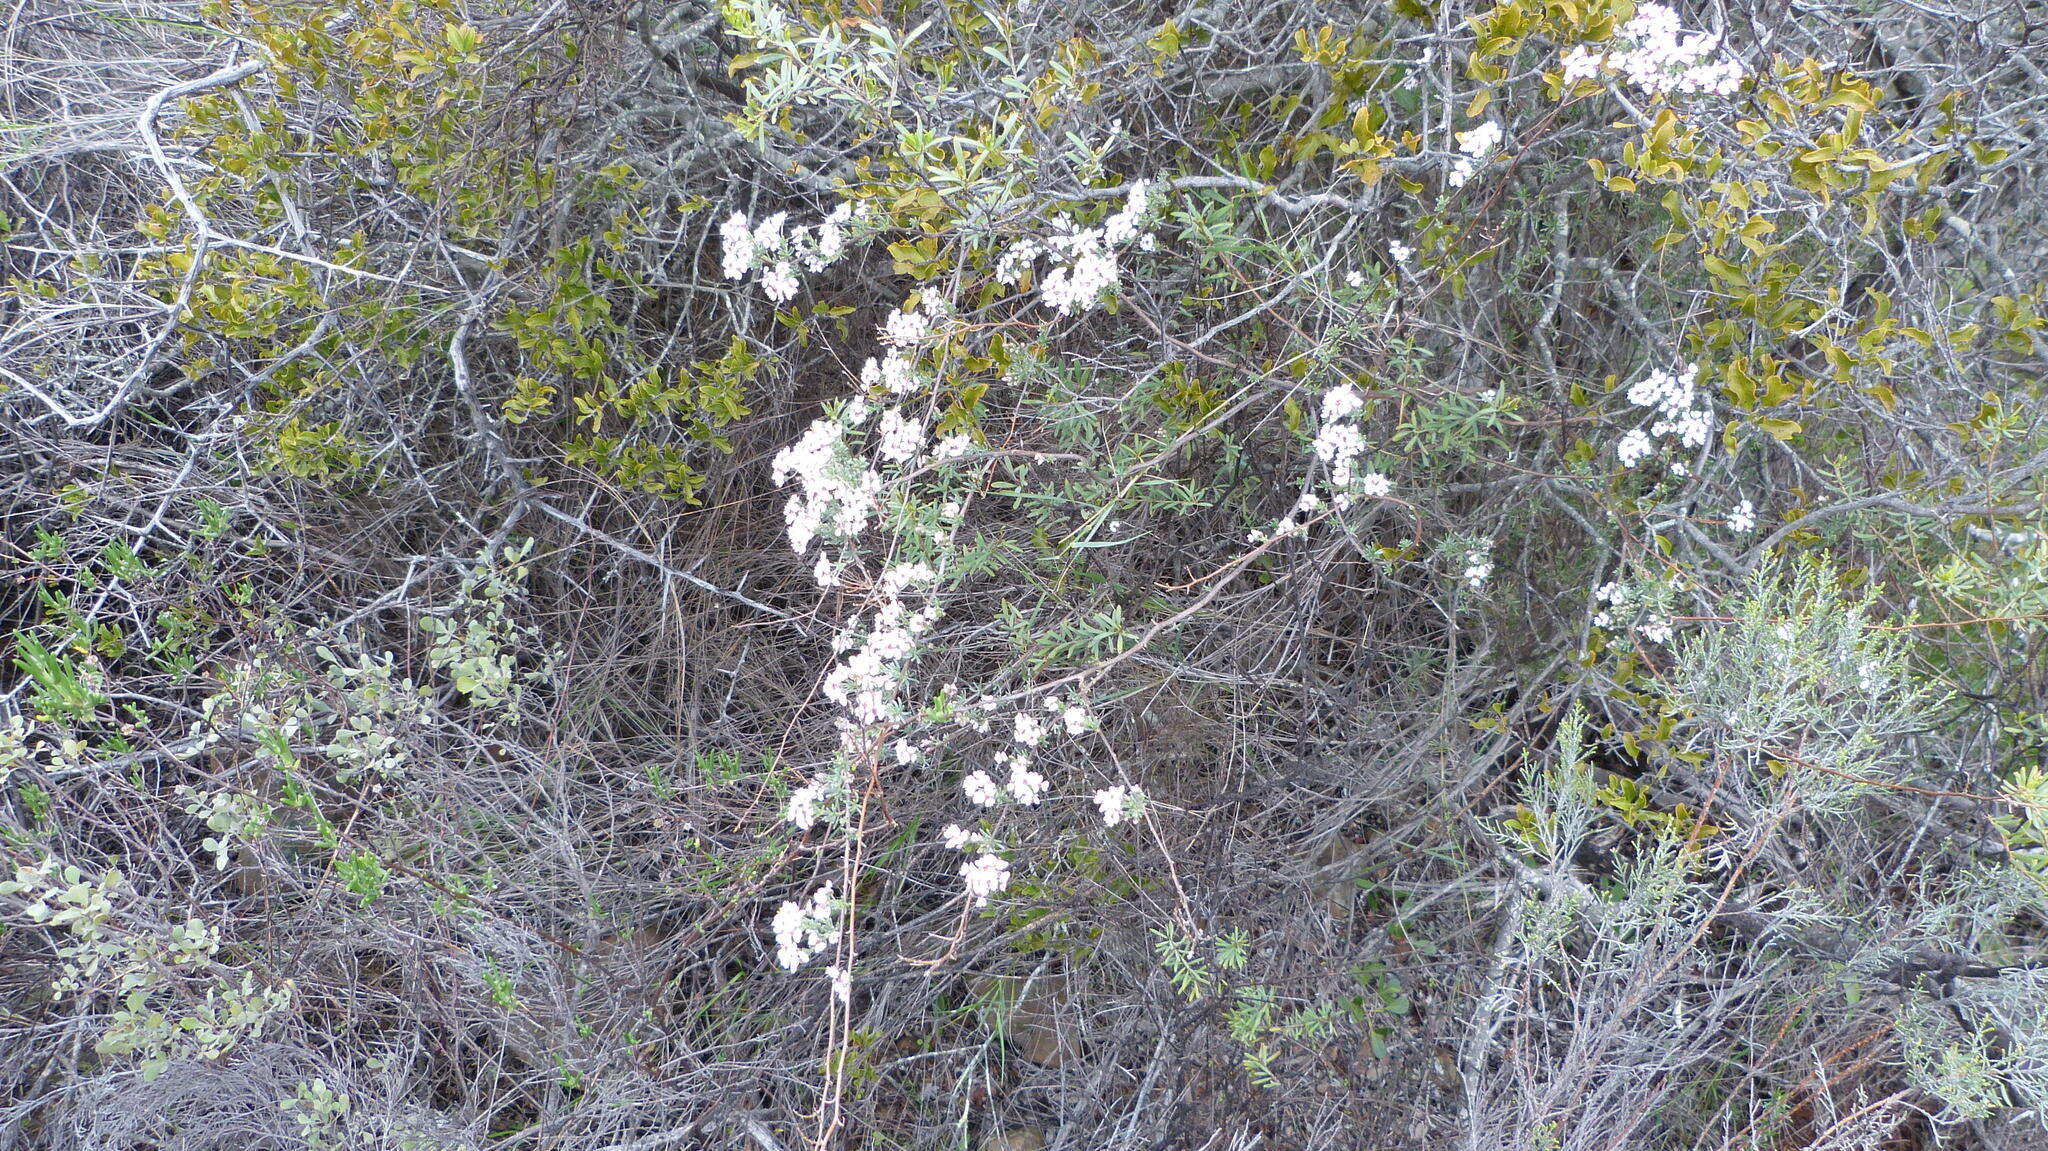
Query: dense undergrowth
948	575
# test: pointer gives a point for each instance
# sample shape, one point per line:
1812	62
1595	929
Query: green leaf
1781	430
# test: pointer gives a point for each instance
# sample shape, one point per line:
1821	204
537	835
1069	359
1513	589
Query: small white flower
1743	518
1654	53
981	789
779	282
1581	64
1029	729
802	930
841	980
1341	402
907	753
1026	786
900	437
985	875
736	238
1120	803
1401	252
802	810
1475	145
1076	719
1355	278
1375	485
1478	566
905	328
1634	447
1481	141
768	235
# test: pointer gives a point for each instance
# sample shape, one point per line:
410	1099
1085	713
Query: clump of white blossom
1120	803
905	333
1474	146
1656	54
866	683
1026	786
1073	716
1478	564
1083	260
1614	596
984	876
837	491
802	930
1742	518
1681	414
1339	443
960	839
982	789
777	251
839	495
840	469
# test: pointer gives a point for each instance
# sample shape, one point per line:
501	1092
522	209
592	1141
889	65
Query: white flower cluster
1743	518
985	875
903	333
802	930
1025	786
1474	146
865	684
909	327
1120	803
988	873
895	373
1612	593
1339	443
901	438
982	789
1478	564
777	251
1615	596
1681	412
1084	260
958	838
807	803
838	492
1660	57
1074	717
1029	729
